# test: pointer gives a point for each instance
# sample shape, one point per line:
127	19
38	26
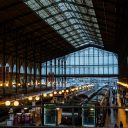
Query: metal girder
49	46
85	75
75	23
83	14
53	42
81	37
86	44
88	21
40	32
91	45
88	34
93	27
33	38
22	28
70	2
11	5
18	16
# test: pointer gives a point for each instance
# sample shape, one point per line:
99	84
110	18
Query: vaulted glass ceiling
74	20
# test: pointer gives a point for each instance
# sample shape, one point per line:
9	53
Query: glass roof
74	20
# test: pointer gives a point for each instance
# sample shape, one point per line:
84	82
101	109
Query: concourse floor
116	116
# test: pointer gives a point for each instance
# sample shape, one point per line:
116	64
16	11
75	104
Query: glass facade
87	61
84	66
92	61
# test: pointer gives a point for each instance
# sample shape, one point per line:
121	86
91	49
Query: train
96	109
98	98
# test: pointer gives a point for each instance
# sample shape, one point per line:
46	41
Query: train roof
98	99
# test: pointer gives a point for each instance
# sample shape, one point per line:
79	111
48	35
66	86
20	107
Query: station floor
116	116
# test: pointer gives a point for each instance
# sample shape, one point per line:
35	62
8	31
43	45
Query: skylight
74	20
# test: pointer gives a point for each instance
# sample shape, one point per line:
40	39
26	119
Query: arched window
14	68
37	71
28	70
8	66
32	71
22	69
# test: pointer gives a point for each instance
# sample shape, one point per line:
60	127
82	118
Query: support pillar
59	72
46	76
11	77
26	64
16	48
40	76
4	58
55	73
51	73
34	82
64	72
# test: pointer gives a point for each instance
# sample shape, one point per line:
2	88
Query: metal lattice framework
41	30
74	20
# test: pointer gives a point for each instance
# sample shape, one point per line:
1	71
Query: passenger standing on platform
109	110
113	101
121	124
115	126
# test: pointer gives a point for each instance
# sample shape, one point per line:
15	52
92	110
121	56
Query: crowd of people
115	105
120	126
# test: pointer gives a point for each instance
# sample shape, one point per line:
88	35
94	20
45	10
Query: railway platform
115	116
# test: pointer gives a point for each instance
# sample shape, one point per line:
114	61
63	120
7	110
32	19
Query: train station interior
64	63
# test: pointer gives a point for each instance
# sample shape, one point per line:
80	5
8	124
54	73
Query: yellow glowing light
19	84
7	103
44	95
91	109
91	85
37	98
123	84
30	98
76	89
72	89
6	84
51	95
28	83
13	83
67	91
60	92
1	85
57	108
79	87
16	103
55	93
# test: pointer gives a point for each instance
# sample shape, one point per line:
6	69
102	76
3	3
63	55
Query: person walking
121	124
115	126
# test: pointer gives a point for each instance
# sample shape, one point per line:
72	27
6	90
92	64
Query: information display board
88	115
50	114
